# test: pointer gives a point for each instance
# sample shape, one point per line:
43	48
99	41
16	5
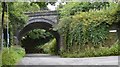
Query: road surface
46	59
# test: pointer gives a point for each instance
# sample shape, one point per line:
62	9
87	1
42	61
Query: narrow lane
46	59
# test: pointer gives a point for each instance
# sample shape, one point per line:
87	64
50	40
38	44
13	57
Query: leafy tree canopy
72	8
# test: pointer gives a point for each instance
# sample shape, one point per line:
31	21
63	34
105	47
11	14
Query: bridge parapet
48	15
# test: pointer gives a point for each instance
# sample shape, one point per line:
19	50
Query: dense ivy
87	28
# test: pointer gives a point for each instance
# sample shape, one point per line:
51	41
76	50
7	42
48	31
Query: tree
73	8
2	23
42	5
17	17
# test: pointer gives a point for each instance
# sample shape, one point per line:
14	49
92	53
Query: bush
19	51
50	47
11	55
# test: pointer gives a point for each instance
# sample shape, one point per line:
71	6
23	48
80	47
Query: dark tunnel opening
40	25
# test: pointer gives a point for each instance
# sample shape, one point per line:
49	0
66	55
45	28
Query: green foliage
93	52
11	55
19	50
39	33
87	28
40	4
98	34
73	8
116	13
115	49
17	17
16	12
35	39
50	47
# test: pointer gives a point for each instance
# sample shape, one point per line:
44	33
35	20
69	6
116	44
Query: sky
54	7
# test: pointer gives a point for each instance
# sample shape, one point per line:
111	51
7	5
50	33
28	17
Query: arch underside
40	25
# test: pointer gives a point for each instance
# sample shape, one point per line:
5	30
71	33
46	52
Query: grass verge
93	52
12	55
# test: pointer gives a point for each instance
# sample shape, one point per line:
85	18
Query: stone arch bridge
42	20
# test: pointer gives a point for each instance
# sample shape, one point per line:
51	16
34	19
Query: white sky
52	7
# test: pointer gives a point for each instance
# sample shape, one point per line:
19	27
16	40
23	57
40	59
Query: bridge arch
40	23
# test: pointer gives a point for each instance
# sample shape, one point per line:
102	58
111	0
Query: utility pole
7	26
2	27
6	32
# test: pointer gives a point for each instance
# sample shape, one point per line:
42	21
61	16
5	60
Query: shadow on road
41	55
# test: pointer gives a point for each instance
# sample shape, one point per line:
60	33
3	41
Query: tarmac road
46	59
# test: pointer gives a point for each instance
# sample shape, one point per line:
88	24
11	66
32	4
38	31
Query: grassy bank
12	55
94	52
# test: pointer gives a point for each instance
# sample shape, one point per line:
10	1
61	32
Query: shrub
50	47
11	55
115	49
19	50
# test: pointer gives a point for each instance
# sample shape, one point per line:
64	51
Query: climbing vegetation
72	8
94	52
87	28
